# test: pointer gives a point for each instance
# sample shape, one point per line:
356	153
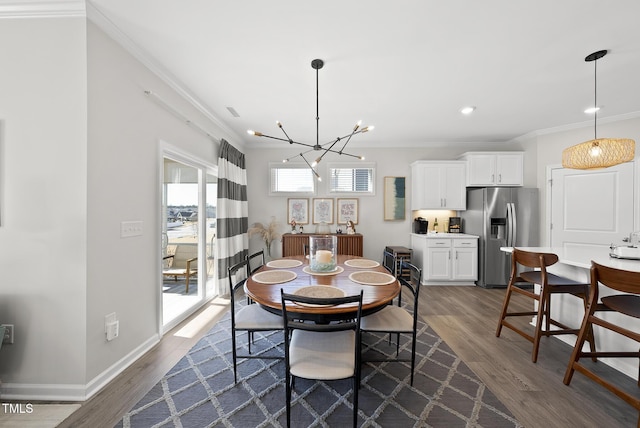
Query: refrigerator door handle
509	225
515	224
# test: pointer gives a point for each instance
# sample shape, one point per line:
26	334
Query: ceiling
406	67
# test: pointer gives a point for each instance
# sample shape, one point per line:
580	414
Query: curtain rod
179	115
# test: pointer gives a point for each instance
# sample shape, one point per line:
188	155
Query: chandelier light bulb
285	160
361	158
592	110
595	150
467	110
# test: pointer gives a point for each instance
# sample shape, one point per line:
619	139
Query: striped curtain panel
232	212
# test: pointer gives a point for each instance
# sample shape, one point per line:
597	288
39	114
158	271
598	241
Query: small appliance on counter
420	225
631	251
454	225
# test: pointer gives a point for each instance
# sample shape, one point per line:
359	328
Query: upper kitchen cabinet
438	185
494	168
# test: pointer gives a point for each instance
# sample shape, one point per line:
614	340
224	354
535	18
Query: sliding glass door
189	196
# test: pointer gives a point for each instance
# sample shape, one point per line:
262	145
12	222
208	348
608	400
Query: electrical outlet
8	333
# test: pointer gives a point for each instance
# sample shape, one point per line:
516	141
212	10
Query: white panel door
591	207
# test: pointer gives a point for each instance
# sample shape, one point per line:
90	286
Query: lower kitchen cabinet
446	259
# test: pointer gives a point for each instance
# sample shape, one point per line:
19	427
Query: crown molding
106	25
42	8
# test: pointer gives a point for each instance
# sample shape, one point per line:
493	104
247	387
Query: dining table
293	275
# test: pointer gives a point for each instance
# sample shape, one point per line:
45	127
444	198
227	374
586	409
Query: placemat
362	263
318	291
308	270
370	277
274	276
284	263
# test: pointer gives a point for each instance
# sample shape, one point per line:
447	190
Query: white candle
323	256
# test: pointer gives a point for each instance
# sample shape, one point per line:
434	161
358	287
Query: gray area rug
199	391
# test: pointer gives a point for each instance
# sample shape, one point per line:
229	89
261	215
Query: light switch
130	228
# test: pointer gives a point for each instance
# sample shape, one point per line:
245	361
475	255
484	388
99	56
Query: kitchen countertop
581	257
444	235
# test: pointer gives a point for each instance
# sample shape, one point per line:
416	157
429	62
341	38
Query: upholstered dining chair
550	284
250	317
623	298
398	319
321	351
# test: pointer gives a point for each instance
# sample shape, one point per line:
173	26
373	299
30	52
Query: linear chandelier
325	148
599	152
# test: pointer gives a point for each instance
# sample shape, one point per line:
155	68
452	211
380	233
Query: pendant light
317	64
599	152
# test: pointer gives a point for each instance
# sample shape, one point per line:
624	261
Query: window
350	179
291	178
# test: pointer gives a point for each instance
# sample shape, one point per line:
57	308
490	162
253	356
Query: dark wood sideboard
293	244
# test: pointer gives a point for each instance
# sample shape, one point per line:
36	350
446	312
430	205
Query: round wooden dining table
376	294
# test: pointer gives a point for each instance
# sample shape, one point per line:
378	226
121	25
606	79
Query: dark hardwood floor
466	318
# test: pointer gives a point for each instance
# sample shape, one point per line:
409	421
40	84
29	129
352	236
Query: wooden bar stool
627	304
549	284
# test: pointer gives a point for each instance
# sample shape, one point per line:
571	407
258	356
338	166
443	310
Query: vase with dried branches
268	233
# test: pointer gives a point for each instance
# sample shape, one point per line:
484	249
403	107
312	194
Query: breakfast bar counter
574	263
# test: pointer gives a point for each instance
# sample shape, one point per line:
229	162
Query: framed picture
394	198
322	210
347	210
298	210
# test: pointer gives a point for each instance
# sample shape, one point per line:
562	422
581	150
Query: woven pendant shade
599	153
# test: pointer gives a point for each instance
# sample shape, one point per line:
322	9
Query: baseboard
75	392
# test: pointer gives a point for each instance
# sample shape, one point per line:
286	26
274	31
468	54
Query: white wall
377	233
80	152
44	227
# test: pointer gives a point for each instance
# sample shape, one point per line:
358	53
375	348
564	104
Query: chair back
389	261
531	260
255	262
237	277
616	279
292	321
412	283
184	253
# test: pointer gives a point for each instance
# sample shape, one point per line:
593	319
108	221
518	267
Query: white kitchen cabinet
446	258
494	168
438	185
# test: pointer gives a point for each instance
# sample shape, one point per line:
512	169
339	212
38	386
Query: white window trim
362	165
291	165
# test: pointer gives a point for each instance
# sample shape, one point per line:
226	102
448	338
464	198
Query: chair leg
356	383
542	308
186	282
234	355
413	354
505	306
288	387
577	349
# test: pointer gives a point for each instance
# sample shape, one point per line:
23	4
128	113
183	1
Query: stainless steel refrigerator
502	217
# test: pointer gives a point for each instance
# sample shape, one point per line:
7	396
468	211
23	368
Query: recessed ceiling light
467	110
592	110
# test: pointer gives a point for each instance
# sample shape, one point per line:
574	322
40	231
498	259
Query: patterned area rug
199	391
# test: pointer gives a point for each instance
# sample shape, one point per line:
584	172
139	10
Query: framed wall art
298	210
347	210
322	210
394	198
